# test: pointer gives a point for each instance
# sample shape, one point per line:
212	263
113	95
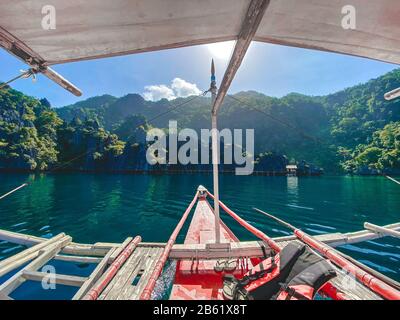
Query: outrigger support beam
60	80
392	94
151	283
377	285
381	230
19	49
250	24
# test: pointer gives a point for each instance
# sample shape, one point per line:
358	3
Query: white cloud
183	88
178	88
158	92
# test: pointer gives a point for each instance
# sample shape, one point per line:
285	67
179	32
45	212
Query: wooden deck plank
95	275
140	268
140	263
132	267
121	275
150	264
119	249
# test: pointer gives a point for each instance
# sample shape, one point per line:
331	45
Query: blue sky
271	69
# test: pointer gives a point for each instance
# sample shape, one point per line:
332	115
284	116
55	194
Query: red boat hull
197	279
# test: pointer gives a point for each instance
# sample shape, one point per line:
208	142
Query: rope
393	179
177	106
301	132
12	191
64	164
258	233
141	124
24	74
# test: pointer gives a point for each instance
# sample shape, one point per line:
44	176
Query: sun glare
221	50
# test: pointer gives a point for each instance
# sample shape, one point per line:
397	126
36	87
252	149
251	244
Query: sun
221	50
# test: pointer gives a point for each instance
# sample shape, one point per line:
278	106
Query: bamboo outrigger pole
12	191
375	284
392	179
146	293
106	278
392	94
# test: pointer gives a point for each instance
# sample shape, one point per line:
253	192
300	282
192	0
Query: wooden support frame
46	254
77	259
382	230
19	259
100	249
391	95
251	21
204	252
119	249
51	249
96	274
19	49
62	279
250	24
5	297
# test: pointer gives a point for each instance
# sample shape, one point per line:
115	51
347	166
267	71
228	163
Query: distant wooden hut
291	170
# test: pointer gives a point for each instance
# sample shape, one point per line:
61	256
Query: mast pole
214	149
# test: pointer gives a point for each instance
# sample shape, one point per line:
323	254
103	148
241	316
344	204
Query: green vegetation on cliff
381	154
28	129
353	130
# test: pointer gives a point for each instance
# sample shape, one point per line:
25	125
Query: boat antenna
214	150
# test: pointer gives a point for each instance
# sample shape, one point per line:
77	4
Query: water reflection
293	190
105	207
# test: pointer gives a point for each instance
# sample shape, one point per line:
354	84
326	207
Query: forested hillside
354	130
330	131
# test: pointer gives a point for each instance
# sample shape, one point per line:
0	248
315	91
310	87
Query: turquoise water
94	208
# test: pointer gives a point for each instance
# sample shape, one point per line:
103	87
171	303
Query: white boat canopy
90	29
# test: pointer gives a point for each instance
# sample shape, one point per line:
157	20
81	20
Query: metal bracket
19	49
219	246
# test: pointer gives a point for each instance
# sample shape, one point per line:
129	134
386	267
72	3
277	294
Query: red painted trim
94	293
367	279
258	233
146	294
